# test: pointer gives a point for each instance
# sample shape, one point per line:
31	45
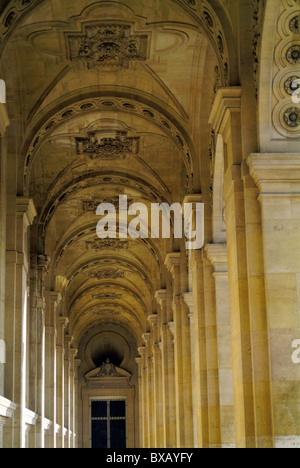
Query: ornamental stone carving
106	296
108	274
107	244
285	115
108	45
97	147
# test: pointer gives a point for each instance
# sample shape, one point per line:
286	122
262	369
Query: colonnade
217	358
215	369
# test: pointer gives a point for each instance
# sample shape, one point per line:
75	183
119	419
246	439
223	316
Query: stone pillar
67	393
200	364
52	301
168	372
73	353
278	178
76	396
150	389
226	121
157	381
173	262
217	254
39	266
188	298
4	122
60	379
138	360
211	355
143	398
16	321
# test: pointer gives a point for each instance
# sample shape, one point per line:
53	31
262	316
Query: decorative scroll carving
107	371
108	274
107	244
107	313
108	148
108	45
106	296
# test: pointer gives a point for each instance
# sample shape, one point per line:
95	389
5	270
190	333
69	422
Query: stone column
173	263
73	353
150	389
214	419
188	298
4	122
60	379
52	301
168	372
143	398
17	319
67	393
157	378
77	364
226	121
217	254
39	266
138	360
200	364
278	178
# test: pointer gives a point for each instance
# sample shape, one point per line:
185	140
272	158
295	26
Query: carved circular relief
290	85
294	25
292	117
293	55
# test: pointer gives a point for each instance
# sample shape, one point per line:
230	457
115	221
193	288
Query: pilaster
217	255
17	319
278	178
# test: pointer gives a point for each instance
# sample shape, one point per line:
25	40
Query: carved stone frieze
108	45
107	274
107	244
107	147
107	296
107	313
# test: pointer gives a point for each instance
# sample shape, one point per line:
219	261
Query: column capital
172	261
54	297
193	198
69	339
26	208
147	338
63	321
153	319
218	257
276	173
172	327
142	351
161	296
227	101
73	352
189	300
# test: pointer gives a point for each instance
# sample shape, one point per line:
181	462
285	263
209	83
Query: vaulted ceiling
113	99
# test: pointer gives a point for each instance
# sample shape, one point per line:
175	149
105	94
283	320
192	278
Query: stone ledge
276	173
7	408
